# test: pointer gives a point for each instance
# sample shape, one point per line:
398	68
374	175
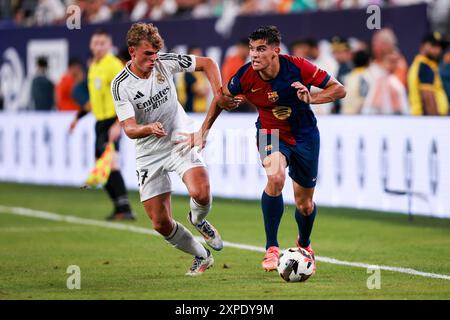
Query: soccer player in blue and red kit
278	85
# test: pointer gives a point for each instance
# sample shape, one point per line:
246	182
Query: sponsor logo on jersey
272	96
281	112
155	101
138	95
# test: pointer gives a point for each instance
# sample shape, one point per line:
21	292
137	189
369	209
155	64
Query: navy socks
305	225
272	208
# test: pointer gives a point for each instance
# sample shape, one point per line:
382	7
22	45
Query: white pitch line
119	226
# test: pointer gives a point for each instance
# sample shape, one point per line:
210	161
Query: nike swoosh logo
254	90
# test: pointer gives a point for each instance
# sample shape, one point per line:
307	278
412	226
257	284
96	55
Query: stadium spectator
248	7
208	8
121	9
386	95
193	88
96	11
426	92
444	70
42	89
102	70
287	6
356	84
186	7
300	48
64	88
153	9
49	12
384	42
343	55
235	60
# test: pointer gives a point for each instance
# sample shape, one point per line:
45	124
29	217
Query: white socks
198	211
182	239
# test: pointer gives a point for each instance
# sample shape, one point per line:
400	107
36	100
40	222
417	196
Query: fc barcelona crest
272	96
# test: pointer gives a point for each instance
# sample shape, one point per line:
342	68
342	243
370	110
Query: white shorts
153	170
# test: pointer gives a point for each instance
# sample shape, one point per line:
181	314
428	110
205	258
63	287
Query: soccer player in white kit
148	110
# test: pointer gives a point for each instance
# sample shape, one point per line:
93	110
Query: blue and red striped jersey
276	101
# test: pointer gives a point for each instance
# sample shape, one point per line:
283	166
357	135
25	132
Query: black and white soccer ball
295	265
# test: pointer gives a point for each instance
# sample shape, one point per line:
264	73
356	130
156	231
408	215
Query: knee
163	226
306	207
201	194
276	182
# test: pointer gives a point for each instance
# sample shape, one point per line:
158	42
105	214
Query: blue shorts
302	158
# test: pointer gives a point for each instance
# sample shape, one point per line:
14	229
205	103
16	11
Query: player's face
433	52
262	55
144	56
100	45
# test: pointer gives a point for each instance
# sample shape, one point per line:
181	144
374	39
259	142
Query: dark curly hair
268	33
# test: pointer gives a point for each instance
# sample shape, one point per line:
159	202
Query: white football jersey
153	100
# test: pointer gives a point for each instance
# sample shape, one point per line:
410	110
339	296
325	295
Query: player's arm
219	102
332	91
126	116
314	76
426	90
134	130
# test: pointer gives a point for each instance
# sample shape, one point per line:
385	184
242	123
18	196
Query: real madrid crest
160	78
272	96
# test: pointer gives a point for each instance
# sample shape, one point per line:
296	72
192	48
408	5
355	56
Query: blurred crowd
376	76
53	12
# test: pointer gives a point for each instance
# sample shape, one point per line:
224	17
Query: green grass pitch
120	264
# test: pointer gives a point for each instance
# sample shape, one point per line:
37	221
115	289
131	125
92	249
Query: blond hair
144	31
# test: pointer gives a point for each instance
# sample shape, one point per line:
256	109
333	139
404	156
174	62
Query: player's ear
277	50
131	51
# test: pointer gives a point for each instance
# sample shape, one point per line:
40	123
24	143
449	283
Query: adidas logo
138	95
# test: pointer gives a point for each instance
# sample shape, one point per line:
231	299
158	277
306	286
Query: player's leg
158	209
303	170
272	205
197	182
193	172
305	214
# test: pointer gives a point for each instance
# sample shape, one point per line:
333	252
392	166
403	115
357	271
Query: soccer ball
295	265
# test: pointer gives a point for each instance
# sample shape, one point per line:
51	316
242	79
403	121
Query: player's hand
114	132
229	103
157	129
302	92
195	139
187	141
